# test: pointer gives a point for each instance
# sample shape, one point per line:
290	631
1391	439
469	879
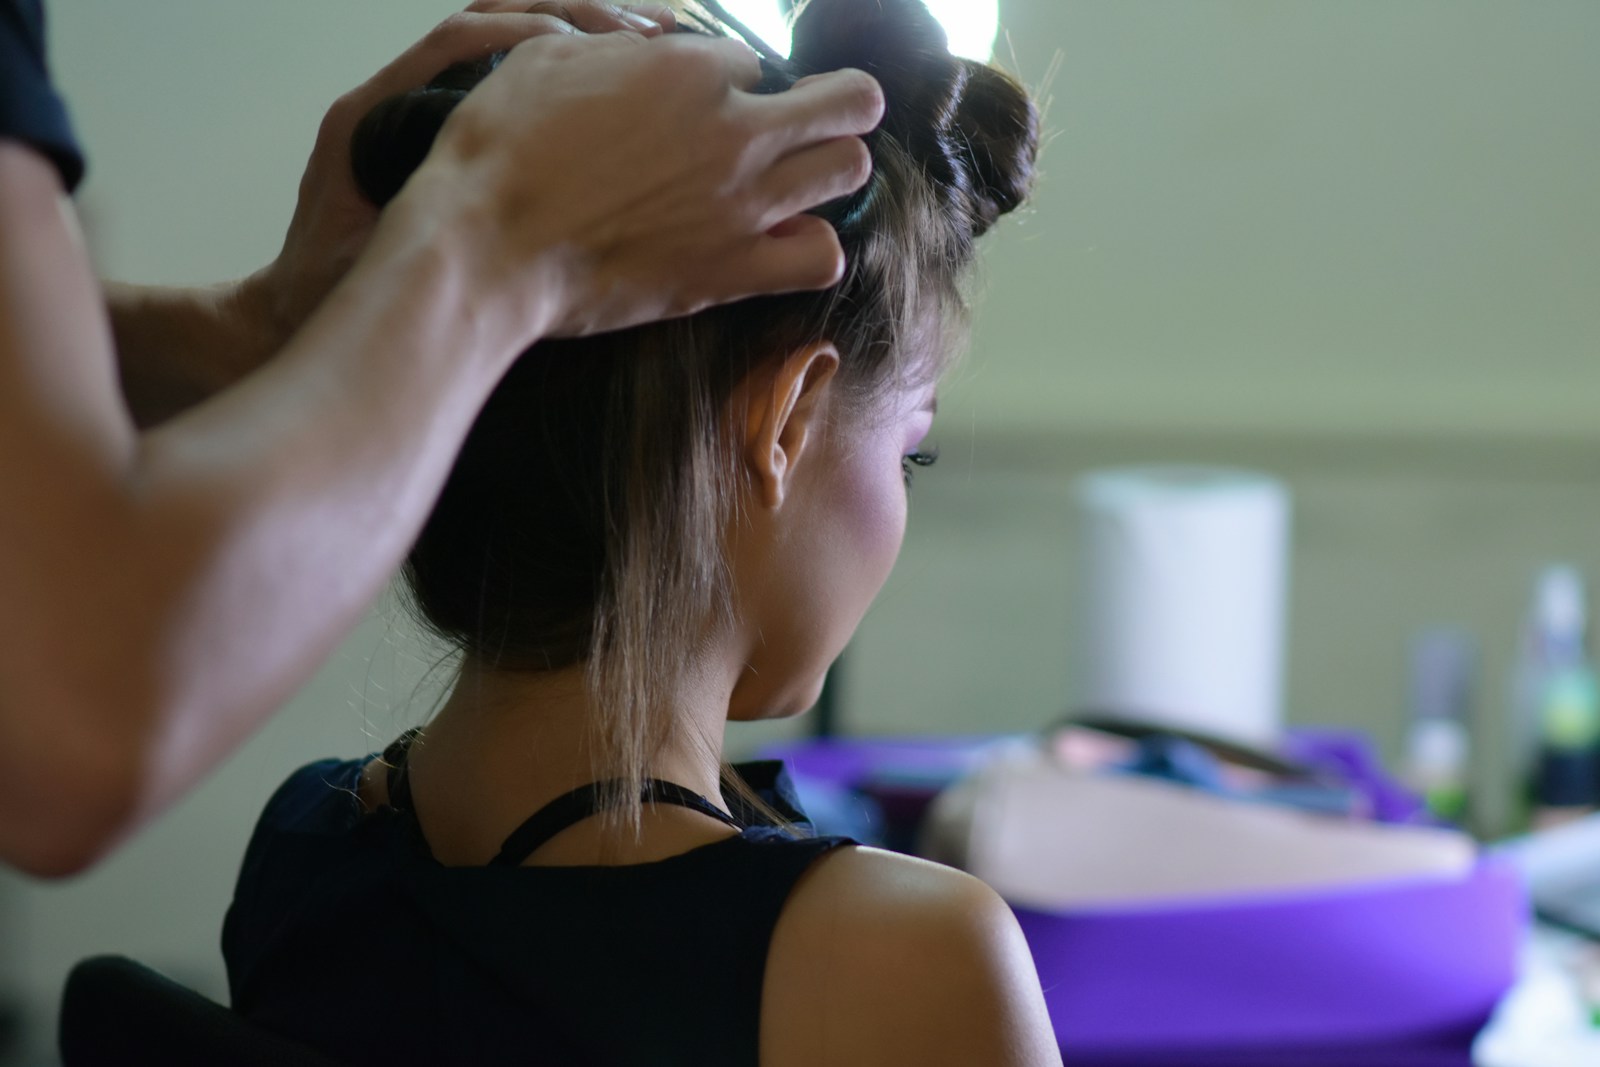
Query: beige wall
1350	241
1291	214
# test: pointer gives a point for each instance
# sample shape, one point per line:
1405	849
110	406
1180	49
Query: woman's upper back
345	934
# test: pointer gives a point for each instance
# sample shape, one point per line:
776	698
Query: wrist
249	313
414	303
510	289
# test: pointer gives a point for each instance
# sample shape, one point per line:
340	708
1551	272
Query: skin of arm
178	346
165	590
883	960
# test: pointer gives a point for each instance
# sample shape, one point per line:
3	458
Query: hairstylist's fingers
465	36
813	176
661	13
841	103
737	59
593	16
800	253
648	19
590	16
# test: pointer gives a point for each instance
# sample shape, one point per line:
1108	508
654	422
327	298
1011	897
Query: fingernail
641	23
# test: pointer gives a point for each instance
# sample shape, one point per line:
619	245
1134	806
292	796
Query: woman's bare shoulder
871	884
885	959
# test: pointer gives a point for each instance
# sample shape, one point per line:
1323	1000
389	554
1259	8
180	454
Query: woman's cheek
876	508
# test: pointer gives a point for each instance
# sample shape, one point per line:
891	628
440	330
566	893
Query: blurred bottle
1444	670
1558	713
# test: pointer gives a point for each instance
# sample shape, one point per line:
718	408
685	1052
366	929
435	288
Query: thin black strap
588	800
554	817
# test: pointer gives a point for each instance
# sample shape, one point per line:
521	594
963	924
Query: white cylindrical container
1184	581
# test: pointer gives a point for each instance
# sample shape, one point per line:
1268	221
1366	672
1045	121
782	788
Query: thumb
801	253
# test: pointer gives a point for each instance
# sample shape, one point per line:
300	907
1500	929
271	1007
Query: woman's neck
507	743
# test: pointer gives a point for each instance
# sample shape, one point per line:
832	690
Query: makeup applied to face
850	502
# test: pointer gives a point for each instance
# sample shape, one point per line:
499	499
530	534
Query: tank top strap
561	813
588	800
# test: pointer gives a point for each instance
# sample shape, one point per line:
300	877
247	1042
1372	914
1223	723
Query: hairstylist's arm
163	592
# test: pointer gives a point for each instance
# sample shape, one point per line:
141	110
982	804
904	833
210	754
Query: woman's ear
784	412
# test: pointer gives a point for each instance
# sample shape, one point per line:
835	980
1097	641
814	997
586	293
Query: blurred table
1545	1020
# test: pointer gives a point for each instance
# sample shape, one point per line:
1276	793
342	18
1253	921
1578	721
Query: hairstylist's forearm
179	346
166	592
277	511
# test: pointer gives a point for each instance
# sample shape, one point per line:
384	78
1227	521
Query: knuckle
547	36
689	77
658	13
703	55
342	115
554	10
684	55
449	29
553	24
742	127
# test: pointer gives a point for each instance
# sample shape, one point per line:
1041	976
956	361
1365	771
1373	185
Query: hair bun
971	127
393	139
997	129
898	41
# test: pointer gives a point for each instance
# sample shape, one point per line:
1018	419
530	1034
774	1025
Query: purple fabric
927	764
1449	1051
902	776
931	762
1353	758
1380	965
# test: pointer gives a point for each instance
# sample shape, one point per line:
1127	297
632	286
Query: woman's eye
909	464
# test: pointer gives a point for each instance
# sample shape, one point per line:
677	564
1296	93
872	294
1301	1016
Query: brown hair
584	520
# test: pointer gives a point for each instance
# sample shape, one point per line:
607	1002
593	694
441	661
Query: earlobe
785	412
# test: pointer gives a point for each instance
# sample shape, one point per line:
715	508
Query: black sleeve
30	110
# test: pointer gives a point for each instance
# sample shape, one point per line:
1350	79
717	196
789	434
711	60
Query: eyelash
909	464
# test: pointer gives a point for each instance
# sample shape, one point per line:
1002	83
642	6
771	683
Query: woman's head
730	480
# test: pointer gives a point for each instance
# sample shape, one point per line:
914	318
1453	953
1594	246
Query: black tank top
347	935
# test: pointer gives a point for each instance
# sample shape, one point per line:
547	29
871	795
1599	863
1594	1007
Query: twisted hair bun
970	127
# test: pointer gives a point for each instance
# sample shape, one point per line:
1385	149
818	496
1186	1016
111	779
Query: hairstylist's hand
597	182
332	220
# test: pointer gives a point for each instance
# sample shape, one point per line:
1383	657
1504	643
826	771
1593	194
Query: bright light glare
764	18
971	24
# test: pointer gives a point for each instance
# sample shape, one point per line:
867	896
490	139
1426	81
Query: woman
656	532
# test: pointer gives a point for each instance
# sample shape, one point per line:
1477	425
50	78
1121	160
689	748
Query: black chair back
118	1011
